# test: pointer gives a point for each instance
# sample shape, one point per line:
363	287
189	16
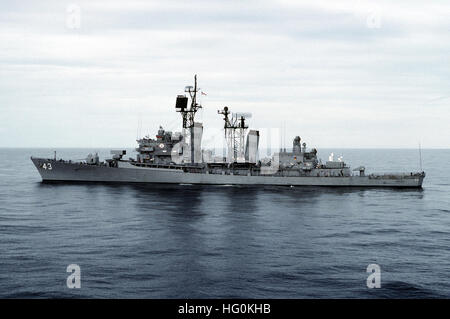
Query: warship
178	158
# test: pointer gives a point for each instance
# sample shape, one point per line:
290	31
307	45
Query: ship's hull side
54	170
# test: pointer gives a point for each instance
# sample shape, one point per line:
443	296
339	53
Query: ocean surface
185	241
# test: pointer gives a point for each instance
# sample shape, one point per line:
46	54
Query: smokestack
251	147
196	142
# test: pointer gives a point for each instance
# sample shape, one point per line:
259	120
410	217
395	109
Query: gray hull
54	170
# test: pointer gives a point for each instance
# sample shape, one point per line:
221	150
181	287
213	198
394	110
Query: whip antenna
420	157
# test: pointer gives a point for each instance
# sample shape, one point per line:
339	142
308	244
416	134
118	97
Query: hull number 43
47	166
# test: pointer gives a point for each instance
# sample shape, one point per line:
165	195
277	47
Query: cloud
343	74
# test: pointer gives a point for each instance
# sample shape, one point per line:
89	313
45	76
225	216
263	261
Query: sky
345	74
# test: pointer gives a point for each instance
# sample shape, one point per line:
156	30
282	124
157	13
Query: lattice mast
188	113
234	129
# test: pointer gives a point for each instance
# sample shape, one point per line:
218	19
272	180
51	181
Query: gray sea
185	241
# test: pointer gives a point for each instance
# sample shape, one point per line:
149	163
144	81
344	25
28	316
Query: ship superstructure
177	157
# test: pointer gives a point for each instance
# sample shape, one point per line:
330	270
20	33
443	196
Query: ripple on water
182	241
